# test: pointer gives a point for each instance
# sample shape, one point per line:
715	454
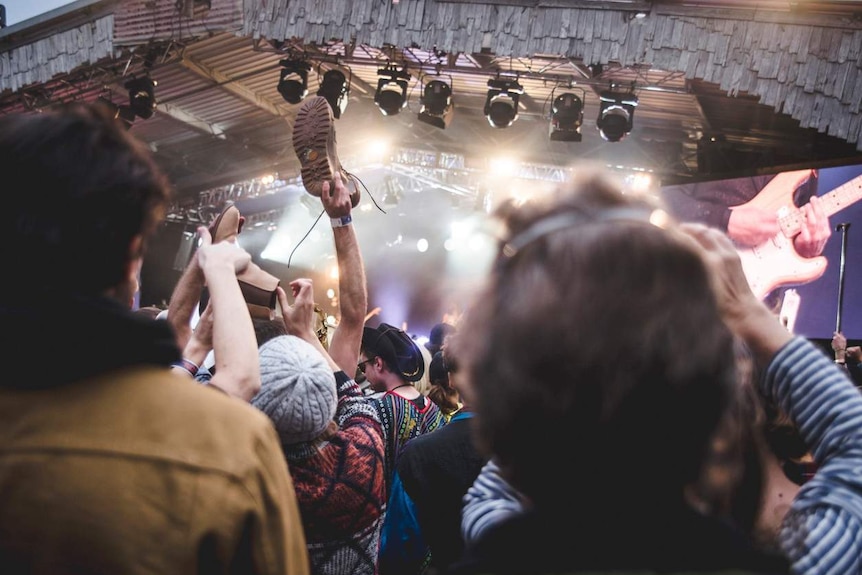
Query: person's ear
131	284
136	259
136	247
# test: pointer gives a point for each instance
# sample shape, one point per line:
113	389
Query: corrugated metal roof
220	118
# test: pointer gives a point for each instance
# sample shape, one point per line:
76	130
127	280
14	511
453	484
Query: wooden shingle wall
39	61
137	21
812	73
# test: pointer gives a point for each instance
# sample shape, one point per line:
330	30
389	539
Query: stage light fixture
616	115
437	107
391	93
123	113
501	105
142	96
293	81
567	115
335	87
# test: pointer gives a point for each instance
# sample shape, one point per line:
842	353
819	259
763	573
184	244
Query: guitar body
776	263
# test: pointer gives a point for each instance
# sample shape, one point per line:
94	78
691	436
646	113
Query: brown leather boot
227	225
259	291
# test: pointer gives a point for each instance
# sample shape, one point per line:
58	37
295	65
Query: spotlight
293	82
616	114
501	106
437	107
127	115
123	113
567	116
335	88
391	93
142	97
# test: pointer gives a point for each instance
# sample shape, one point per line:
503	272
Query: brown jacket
143	471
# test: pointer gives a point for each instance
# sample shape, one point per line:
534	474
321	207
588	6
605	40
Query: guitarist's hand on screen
751	226
815	230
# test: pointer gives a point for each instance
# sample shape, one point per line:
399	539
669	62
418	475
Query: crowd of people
230	433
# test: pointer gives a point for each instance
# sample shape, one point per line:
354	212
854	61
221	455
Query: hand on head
299	317
728	278
744	314
336	199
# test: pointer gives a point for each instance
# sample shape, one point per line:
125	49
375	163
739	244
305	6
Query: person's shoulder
175	399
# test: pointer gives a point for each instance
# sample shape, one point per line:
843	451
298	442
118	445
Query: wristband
187	365
342	221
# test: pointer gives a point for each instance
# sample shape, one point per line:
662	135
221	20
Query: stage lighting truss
501	105
567	114
293	81
142	96
616	114
335	87
391	94
437	107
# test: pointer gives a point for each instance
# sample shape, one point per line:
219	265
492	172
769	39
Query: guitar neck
833	202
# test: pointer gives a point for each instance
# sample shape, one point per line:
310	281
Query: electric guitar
775	263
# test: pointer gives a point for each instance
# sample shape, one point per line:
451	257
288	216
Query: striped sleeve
487	502
822	532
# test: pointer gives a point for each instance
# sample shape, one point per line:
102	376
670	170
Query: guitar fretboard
833	202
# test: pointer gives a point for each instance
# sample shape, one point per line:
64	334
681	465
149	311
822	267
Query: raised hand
743	313
336	200
299	317
223	253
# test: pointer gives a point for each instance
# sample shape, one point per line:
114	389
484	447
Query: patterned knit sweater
403	419
339	484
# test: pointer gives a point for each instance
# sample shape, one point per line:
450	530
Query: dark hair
438	335
266	329
596	342
91	187
442	392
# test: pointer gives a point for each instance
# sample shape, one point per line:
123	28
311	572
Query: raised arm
352	290
822	532
237	369
184	300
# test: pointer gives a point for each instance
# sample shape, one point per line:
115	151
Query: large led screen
793	255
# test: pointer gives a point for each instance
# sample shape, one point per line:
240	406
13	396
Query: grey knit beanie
297	389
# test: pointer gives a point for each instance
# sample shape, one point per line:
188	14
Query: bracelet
342	221
840	362
187	365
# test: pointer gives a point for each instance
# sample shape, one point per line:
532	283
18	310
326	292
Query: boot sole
314	144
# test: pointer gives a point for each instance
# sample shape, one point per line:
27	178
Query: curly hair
597	338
